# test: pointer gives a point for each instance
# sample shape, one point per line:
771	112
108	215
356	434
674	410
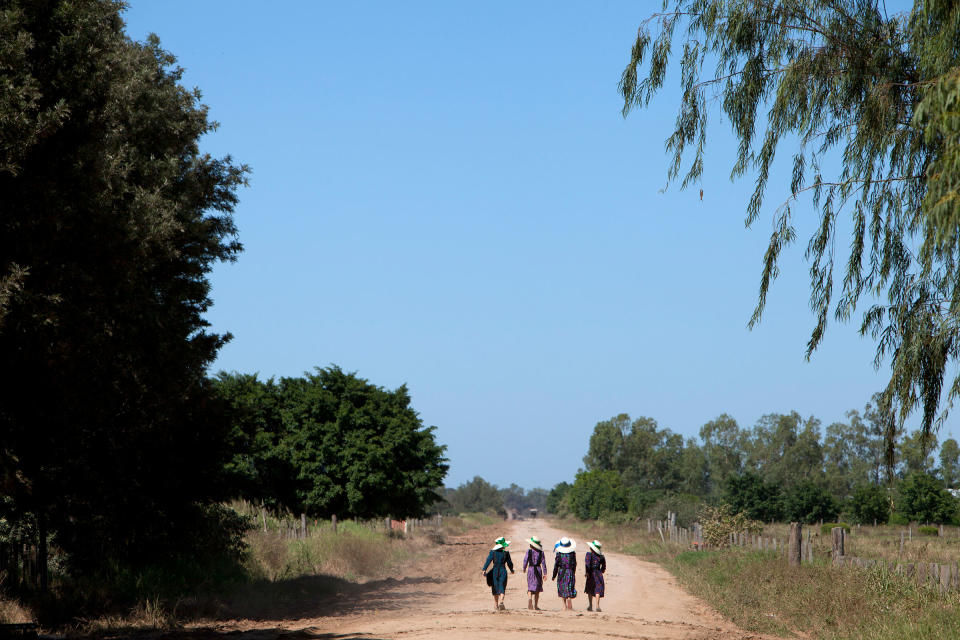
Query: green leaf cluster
111	218
331	443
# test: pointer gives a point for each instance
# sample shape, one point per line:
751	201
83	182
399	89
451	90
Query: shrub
869	503
808	502
928	530
717	523
826	528
751	495
924	499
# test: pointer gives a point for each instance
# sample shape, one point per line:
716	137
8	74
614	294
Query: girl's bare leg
589	602
502	596
496	603
536	600
598	603
529	599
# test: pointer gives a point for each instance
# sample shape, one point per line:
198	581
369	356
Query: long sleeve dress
535	564
501	560
595	564
564	570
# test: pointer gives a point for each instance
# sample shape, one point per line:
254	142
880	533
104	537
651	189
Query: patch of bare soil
443	595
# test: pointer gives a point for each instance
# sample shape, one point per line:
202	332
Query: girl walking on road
497	577
535	564
565	569
595	564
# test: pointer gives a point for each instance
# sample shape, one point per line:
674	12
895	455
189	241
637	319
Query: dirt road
445	597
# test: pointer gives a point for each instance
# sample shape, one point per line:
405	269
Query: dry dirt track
445	597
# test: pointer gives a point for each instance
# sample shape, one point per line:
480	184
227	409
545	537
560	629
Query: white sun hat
565	545
595	545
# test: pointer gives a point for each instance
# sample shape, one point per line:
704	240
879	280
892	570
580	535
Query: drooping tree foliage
111	219
866	104
330	443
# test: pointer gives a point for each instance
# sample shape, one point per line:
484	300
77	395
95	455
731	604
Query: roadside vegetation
760	592
277	566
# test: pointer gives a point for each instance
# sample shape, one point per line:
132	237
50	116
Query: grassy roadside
760	592
277	571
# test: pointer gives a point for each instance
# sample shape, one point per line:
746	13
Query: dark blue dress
501	560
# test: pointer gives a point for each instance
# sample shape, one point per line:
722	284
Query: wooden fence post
303	524
333	522
838	543
796	539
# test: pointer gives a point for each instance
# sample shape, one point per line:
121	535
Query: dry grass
12	612
760	592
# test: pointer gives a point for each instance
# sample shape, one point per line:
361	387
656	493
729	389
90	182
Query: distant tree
915	453
724	451
111	219
749	494
784	449
606	443
808	502
950	463
556	497
868	504
924	499
476	496
694	470
597	492
650	457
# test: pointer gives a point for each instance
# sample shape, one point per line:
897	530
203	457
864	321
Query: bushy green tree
556	497
331	442
924	499
111	219
862	103
749	494
809	502
868	504
724	451
950	463
915	453
596	492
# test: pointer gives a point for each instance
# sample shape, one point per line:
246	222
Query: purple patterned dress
564	570
595	564
535	563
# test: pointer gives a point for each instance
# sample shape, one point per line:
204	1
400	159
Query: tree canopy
865	102
111	218
330	442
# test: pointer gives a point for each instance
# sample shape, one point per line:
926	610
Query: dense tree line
785	467
478	496
115	446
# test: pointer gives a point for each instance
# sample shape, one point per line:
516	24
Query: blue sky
446	196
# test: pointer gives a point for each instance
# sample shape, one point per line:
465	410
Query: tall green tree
597	492
915	453
606	443
923	498
723	448
950	463
111	219
863	102
330	442
785	449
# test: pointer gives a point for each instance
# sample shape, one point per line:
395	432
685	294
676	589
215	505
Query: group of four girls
535	564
